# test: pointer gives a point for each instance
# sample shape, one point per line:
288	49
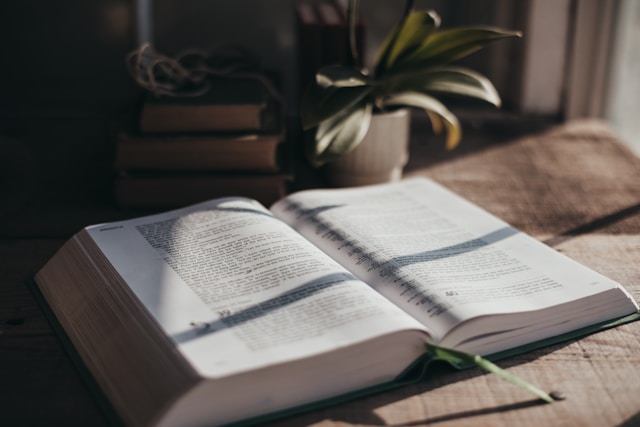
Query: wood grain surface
574	186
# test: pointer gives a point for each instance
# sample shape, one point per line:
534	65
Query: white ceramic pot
380	157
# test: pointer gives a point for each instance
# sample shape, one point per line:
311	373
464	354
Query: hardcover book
230	105
226	311
201	152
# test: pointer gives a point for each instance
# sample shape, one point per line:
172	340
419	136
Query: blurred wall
71	53
65	53
65	90
63	87
267	27
623	102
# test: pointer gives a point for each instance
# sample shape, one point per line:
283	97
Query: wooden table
574	186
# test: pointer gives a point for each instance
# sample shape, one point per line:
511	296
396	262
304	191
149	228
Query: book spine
192	153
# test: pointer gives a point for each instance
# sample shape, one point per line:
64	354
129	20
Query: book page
439	257
237	289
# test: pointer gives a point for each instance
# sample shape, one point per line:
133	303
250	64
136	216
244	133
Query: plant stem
408	6
352	17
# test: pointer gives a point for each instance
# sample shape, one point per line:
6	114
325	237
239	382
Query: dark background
65	90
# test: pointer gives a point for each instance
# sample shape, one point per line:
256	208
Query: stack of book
229	141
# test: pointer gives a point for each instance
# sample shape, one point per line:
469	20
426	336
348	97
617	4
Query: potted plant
412	68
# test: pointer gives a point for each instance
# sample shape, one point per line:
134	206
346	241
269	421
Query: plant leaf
341	76
461	359
432	106
451	80
436	122
318	104
340	134
451	44
406	37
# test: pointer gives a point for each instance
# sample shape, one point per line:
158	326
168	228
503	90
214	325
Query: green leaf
341	76
406	38
340	134
437	123
461	360
431	106
319	104
449	45
451	80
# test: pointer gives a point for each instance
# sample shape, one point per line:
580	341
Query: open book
226	310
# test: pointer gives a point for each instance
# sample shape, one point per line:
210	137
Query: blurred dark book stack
229	141
231	104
